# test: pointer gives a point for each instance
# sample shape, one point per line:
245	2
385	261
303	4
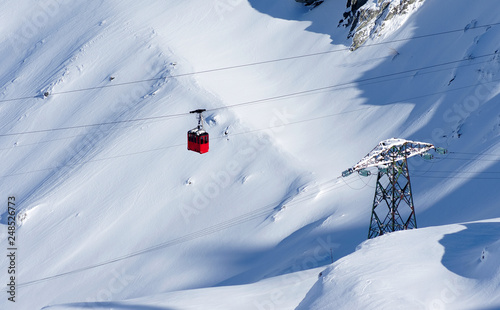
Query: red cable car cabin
198	137
198	140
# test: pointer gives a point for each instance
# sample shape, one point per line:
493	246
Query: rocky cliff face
369	18
351	15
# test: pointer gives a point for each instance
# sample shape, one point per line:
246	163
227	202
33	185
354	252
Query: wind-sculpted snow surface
432	268
113	211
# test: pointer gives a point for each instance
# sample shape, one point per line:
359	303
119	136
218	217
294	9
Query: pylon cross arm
391	151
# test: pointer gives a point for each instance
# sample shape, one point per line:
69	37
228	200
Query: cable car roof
197	131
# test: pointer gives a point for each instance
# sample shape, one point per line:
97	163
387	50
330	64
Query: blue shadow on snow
464	250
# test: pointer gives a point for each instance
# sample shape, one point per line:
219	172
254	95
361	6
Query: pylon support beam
393	207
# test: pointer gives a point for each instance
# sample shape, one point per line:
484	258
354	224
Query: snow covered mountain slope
113	209
446	267
283	292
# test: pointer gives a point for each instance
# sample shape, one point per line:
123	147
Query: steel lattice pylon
393	202
392	207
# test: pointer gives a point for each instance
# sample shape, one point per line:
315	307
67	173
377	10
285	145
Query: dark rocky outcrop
312	3
365	21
